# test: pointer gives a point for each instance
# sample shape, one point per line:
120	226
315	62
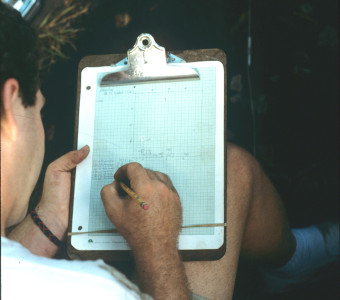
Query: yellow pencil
133	195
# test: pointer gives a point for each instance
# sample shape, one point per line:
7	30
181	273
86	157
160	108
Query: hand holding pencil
133	195
153	233
161	216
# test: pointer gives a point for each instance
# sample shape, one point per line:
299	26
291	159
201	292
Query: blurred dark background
283	108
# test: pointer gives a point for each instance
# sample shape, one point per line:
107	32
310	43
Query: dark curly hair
19	54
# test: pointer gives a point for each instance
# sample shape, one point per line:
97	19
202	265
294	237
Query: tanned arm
161	273
153	233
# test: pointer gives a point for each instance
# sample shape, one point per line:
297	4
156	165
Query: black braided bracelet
44	229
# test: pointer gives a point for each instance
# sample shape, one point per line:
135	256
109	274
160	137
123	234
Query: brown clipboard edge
186	255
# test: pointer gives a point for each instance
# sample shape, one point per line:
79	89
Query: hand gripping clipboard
147	74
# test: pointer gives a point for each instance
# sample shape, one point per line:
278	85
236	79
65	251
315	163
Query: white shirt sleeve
27	276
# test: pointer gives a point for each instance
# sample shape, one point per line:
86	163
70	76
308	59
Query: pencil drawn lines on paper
168	127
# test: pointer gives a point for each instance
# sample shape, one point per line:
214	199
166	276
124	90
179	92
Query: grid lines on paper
165	126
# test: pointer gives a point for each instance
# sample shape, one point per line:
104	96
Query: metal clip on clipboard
147	61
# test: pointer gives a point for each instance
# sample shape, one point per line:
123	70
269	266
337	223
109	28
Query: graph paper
172	127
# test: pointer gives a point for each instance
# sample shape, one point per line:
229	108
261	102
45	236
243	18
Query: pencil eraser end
145	206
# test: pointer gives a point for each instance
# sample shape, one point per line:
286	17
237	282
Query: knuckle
162	187
134	166
160	175
71	159
167	178
105	191
51	167
74	155
52	173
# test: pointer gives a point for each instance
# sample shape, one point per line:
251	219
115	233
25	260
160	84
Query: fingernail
85	149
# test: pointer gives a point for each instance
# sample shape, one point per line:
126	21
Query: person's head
19	53
22	133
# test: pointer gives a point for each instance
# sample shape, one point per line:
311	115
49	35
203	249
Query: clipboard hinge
147	61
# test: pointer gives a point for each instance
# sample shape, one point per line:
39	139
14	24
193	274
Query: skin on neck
22	151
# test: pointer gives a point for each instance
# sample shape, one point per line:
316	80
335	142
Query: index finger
134	173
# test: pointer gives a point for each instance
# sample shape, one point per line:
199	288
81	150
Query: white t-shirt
28	276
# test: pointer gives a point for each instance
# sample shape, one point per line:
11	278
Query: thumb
113	204
70	160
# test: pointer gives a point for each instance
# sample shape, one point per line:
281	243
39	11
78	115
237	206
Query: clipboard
127	107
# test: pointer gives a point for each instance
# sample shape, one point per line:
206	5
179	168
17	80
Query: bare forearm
151	234
162	273
31	237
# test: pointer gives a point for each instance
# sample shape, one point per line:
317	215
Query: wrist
51	220
44	229
32	234
153	245
154	255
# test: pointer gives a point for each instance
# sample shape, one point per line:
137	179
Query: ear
9	96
